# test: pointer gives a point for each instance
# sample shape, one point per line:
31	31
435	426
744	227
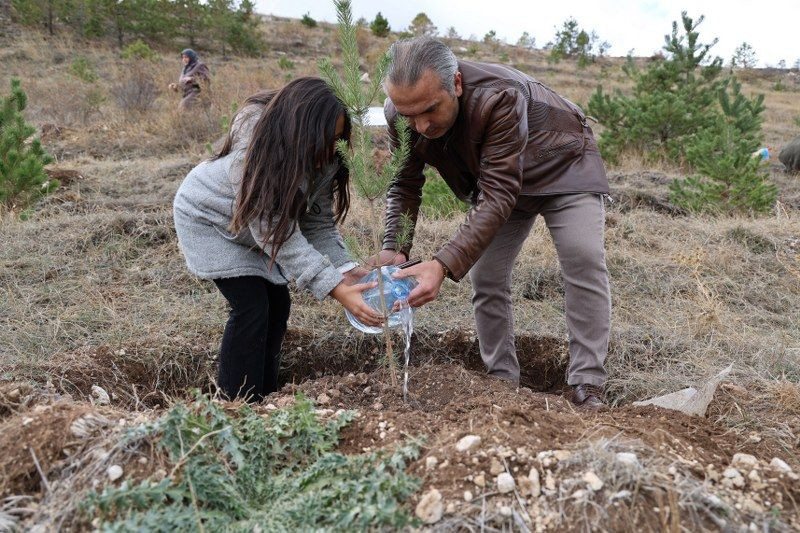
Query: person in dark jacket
513	149
790	156
194	78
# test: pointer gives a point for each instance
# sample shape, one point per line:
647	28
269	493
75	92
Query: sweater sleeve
319	227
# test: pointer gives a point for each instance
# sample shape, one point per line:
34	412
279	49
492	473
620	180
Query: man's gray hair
410	58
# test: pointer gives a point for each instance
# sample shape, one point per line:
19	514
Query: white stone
114	472
505	510
467	496
431	461
505	482
530	485
495	467
628	459
470	442
100	395
744	461
592	481
621	495
780	464
430	508
549	481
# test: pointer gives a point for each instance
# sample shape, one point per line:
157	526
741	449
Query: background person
194	74
264	211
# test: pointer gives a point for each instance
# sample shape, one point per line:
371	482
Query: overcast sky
770	26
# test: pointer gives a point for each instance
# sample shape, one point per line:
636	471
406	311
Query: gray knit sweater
314	256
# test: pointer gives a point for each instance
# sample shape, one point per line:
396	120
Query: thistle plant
371	183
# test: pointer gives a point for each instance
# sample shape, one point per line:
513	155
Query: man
514	149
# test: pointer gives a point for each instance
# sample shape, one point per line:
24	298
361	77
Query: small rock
744	461
562	455
27	420
621	495
114	472
142	460
479	480
378	406
323	399
505	510
578	494
780	464
431	461
100	395
628	459
468	443
495	467
549	481
430	508
593	482
530	485
444	464
451	508
467	496
732	478
505	482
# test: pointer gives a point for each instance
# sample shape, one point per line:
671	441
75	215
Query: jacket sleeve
319	227
405	192
500	181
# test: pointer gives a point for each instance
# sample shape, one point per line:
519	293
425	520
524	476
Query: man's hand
429	276
386	258
351	299
354	275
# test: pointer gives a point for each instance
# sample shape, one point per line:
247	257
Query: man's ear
457	83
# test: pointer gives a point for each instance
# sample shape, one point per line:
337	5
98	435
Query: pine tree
744	56
731	179
422	25
380	26
672	99
22	176
370	182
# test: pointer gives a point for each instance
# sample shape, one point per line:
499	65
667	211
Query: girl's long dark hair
293	141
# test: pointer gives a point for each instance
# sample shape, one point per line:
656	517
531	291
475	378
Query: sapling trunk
370	183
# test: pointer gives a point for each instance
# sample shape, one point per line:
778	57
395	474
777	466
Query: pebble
594	482
451	508
780	464
377	406
744	461
628	459
430	507
505	482
323	399
480	480
467	496
621	495
100	395
549	481
495	467
470	442
114	472
505	510
431	461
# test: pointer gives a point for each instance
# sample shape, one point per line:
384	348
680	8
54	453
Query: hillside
94	293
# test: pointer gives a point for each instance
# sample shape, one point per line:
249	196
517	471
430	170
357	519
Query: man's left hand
429	276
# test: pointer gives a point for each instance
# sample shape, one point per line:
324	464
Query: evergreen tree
421	25
672	99
526	41
380	26
369	182
452	33
744	56
22	176
308	21
573	42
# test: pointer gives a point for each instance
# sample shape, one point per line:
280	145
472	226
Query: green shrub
285	63
438	201
22	175
308	21
241	471
139	50
380	26
82	69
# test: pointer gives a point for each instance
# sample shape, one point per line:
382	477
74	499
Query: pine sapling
370	182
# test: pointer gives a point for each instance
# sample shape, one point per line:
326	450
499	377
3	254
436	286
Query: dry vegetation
93	291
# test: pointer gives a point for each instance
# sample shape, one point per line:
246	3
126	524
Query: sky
769	26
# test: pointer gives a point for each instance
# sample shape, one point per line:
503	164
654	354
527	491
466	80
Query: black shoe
588	396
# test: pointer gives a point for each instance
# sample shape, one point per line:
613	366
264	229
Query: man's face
430	109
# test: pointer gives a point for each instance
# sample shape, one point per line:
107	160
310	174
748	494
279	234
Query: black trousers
249	357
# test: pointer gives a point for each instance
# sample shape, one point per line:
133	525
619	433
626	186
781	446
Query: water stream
407	325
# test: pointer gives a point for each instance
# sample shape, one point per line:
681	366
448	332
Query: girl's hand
351	299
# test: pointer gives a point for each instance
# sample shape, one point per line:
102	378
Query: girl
264	211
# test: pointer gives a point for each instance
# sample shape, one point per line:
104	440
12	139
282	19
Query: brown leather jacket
512	136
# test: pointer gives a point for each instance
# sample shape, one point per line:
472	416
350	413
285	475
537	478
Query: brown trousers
576	223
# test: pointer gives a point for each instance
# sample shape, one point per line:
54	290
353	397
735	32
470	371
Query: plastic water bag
393	290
